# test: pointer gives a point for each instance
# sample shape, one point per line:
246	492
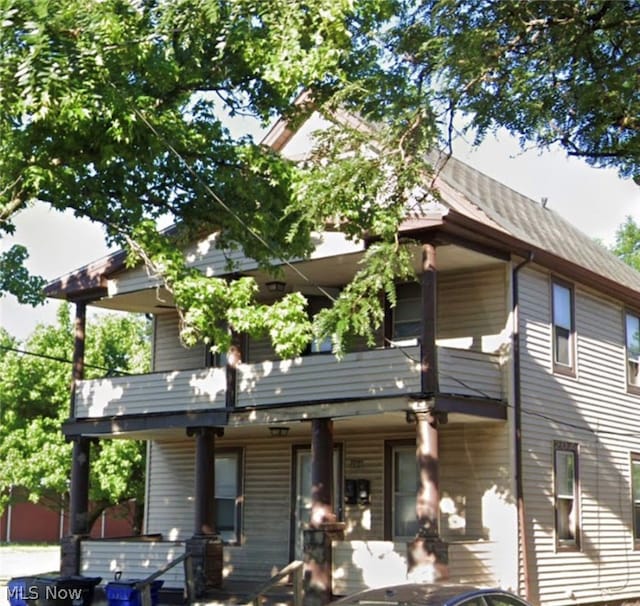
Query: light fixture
276	286
278	431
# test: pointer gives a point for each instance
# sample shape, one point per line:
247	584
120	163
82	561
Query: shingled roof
477	197
530	222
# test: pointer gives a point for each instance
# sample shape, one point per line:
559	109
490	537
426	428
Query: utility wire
226	207
111	371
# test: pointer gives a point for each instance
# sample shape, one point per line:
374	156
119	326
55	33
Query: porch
357	565
371	374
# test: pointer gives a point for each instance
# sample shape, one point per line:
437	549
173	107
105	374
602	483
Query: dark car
419	594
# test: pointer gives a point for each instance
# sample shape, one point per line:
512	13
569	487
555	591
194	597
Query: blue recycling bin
19	589
124	593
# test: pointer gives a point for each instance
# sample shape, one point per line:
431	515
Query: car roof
424	594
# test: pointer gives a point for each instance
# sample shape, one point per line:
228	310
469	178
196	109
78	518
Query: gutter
517	407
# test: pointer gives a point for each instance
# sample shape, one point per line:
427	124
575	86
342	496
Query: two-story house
505	382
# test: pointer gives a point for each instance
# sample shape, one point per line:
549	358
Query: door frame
293	490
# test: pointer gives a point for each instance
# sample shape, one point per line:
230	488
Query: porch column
205	546
323	527
80	464
429	358
427	554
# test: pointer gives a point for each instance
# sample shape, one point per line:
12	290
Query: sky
597	201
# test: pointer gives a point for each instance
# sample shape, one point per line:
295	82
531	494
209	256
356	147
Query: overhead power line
110	371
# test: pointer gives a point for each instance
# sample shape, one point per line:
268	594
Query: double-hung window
228	486
635	497
407	314
401	488
566	495
563	324
632	329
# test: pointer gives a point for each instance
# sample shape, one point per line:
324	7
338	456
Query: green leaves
115	110
16	280
627	244
34	402
359	310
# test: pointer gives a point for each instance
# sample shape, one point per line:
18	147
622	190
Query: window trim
238	451
568	544
634	457
389	448
558	367
631	388
406	340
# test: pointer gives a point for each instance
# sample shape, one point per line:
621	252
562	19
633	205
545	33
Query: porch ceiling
328	272
388	423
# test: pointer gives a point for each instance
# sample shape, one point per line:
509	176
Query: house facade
496	419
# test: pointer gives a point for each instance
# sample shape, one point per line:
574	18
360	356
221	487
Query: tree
34	402
627	244
116	113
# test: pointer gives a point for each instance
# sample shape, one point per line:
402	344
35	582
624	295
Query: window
567	506
407	314
316	305
635	496
404	489
563	328
228	480
632	329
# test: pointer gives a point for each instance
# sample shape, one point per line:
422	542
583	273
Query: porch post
427	554
80	464
205	546
429	357
323	528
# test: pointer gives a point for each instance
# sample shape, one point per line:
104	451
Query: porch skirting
359	565
356	564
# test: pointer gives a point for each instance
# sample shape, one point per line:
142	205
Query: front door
301	496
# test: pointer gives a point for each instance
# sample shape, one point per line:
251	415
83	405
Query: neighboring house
26	522
514	363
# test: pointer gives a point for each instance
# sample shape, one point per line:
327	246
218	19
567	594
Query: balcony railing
377	373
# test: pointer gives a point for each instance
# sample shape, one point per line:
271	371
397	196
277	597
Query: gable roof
529	222
483	202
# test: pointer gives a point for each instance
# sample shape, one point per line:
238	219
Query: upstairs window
632	328
407	314
566	495
563	328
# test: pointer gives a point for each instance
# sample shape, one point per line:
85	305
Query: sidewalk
22	560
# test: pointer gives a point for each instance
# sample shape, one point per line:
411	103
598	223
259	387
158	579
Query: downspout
517	409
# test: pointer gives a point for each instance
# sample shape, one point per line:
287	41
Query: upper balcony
376	374
471	331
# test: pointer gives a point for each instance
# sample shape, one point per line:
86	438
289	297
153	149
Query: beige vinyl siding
135	559
168	351
169	502
472	306
470	373
363	457
259	350
594	411
359	565
363	374
266	485
474	463
179	390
